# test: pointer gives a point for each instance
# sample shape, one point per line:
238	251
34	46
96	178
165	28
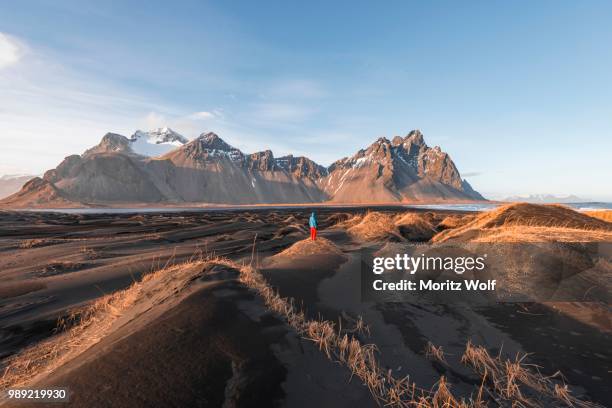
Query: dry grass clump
434	353
307	247
605	215
518	382
523	222
416	226
34	243
88	325
350	221
454	221
374	226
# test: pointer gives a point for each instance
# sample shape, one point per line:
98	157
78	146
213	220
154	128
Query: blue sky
519	93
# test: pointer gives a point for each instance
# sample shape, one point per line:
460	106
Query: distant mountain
10	184
209	170
404	169
546	198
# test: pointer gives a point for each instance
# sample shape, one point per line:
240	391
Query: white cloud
203	115
49	111
10	51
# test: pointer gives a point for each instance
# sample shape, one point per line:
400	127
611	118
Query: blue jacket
313	221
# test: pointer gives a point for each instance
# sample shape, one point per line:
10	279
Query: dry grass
374	226
88	325
346	349
530	223
454	221
517	234
416	226
434	353
350	221
32	243
517	382
605	215
307	247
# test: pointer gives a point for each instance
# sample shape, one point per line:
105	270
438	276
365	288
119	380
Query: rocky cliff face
402	169
301	167
209	170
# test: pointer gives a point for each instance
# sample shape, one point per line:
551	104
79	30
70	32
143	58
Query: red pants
313	233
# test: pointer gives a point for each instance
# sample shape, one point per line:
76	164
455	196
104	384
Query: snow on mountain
156	142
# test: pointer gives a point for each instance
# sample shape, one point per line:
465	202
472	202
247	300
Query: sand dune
201	332
312	254
523	222
374	226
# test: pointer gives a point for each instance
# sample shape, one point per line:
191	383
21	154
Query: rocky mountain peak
111	142
212	141
209	146
301	167
262	161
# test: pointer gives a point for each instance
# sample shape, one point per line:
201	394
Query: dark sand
219	343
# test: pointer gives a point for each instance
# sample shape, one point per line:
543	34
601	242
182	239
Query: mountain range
163	167
546	199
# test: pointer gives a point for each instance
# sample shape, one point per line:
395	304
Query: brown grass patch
35	243
350	221
434	353
416	226
605	215
88	325
514	380
374	226
307	247
530	223
454	221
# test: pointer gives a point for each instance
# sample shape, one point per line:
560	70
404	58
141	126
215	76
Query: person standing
313	226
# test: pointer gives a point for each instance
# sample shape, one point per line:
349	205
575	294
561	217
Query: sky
518	93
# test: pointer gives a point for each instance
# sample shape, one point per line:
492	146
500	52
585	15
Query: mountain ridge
209	170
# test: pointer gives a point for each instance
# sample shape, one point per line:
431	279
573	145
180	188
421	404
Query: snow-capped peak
156	142
161	135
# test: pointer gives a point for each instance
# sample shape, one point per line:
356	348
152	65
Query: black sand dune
214	342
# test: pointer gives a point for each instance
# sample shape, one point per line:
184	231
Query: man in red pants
313	226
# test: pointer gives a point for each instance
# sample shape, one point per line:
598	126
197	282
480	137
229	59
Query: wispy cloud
203	115
471	173
48	111
10	51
